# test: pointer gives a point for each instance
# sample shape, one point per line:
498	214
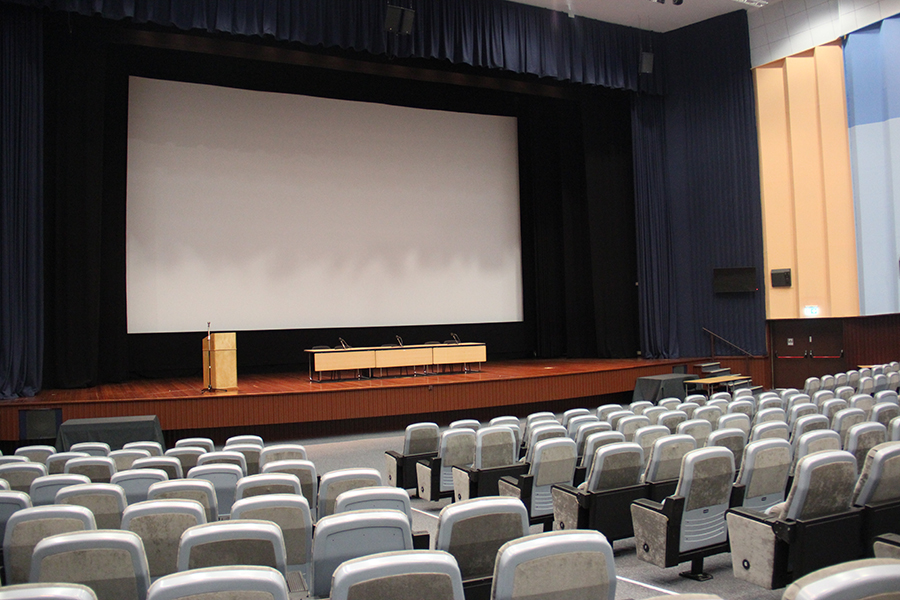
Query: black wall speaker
781	278
399	20
647	62
41	424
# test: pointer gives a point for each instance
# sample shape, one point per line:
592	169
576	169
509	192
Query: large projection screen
258	210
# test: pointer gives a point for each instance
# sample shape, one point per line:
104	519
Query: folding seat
43	489
884	413
169	464
735	421
688	408
894	430
770	429
818	440
379	497
186	455
587	429
732	438
866	579
47	591
865	402
546	415
721	396
245	439
840	379
91	448
664	464
473	531
710	413
137	482
645	437
10	503
4	485
669	403
613	418
628	425
221	583
36	453
877	491
196	442
880	383
689	525
746	407
26	527
473	424
510	421
844	392
653	413
795	400
154	448
553	461
234	542
223	457
496	455
434	475
591	444
251	453
99	469
337	482
224	478
125	457
639	406
813	384
341	537
571	413
887	396
603	501
865	385
720	403
112	563
19	475
557	564
814	528
831	406
198	490
893	381
267	483
698	398
764	415
788	392
741	392
403	575
861	438
845	419
764	473
671	419
420	441
769	402
807	423
304	470
106	500
538	423
821	396
699	429
800	410
160	524
826	383
573	423
292	514
7	460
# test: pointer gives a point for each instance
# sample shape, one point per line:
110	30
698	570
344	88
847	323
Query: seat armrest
754	515
737	495
394	454
649	504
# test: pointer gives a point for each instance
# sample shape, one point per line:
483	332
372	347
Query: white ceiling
644	14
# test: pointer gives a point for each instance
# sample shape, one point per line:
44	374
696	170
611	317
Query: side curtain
21	198
873	104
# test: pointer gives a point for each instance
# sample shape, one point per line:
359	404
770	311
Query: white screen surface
258	210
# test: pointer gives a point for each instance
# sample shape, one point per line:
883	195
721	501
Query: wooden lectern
220	350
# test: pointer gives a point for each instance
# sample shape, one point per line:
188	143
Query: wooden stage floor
291	398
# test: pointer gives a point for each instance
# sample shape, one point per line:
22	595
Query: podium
220	361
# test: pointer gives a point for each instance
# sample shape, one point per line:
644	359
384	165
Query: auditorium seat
770	429
615	416
237	542
334	483
112	563
699	429
435	475
603	501
884	413
769	402
830	407
764	473
845	419
221	583
224	478
844	392
47	591
864	402
154	448
171	465
688	408
267	483
639	406
671	419
509	420
198	442
664	464
629	425
742	406
645	437
43	489
292	514
19	475
91	448
557	564
553	461
223	457
889	395
734	421
473	531
341	537
198	490
125	458
304	470
28	526
402	575
585	430
251	453
572	413
733	439
814	528
710	413
818	440
36	453
877	491
653	413
106	500
160	524
690	524
496	456
254	440
669	403
864	579
827	382
473	424
99	469
137	482
861	438
576	421
811	386
10	503
542	431
420	440
8	460
798	411
186	455
821	396
594	441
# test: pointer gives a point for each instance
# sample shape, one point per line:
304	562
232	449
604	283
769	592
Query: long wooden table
336	360
729	381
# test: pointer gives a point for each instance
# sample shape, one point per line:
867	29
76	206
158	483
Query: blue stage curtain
707	212
21	197
482	33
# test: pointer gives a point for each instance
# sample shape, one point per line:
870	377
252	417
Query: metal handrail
712	343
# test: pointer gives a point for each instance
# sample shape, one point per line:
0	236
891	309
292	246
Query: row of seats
867	380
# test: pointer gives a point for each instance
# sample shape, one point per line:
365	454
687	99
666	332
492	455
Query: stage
290	406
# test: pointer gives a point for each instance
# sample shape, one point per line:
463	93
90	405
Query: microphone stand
209	387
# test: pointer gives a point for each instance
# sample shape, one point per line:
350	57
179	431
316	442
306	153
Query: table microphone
399	340
455	338
343	343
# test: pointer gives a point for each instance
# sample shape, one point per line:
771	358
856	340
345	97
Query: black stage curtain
576	195
492	34
698	199
21	197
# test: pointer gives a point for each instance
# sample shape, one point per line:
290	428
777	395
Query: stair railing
712	347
